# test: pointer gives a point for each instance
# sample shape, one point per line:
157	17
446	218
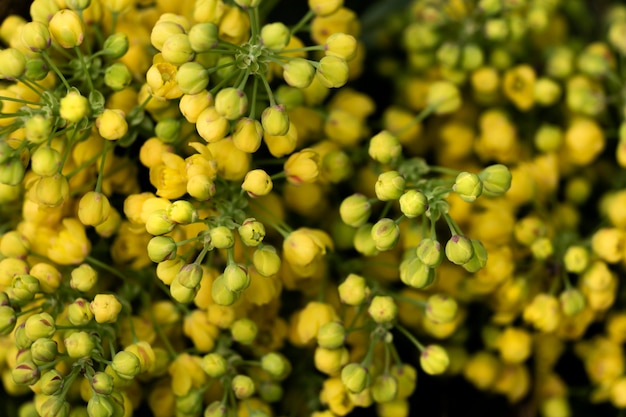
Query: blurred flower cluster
258	208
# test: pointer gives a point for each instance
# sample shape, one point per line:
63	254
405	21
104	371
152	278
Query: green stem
305	19
81	57
255	86
270	95
454	227
409	336
56	70
107	147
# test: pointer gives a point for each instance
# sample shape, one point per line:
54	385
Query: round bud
266	261
416	274
222	237
275	36
353	290
126	364
468	186
355	377
244	331
83	278
331	335
181	212
214	364
389	186
444	97
441	308
93	208
413	203
429	252
231	103
385	234
275	121
355	210
251	232
44	350
116	45
161	248
434	360
332	71
236	277
459	249
384	147
45	161
496	180
12	63
67	29
478	259
192	78
190	275
298	73
383	309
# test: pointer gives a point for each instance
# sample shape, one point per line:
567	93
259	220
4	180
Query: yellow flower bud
281	145
73	107
191	105
105	308
275	121
45	161
444	97
83	278
441	308
341	45
52	191
325	7
608	243
177	49
383	309
112	124
332	71
514	345
211	125
275	36
302	167
434	360
93	208
67	29
266	261
247	134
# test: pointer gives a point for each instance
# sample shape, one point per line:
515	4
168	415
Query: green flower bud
332	71
542	248
51	382
384	388
67	28
413	203
236	277
496	29
275	36
221	294
231	103
28	409
331	335
355	210
384	147
244	331
353	290
434	360
36	36
100	406
270	391
496	180
25	287
25	373
4	299
416	274
429	252
39	325
449	54
472	57
459	249
290	97
192	78
478	259
158	223
83	278
275	120
383	309
222	237
79	345
8	319
547	91
116	45
266	261
576	259
468	186
441	308
190	403
181	293
6	152
548	138
385	234
389	186
79	313
45	161
247	4
161	248
276	365
572	301
12	63
177	49
444	97
36	69
298	73
203	37
190	275
214	364
355	377
216	409
12	172
251	232
102	383
22	341
55	406
44	350
126	364
336	166
181	212
117	76
363	242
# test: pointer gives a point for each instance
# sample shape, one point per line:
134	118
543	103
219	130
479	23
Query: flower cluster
198	217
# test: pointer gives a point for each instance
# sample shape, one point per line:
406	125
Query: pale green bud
385	234
413	203
389	186
459	249
355	377
383	309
